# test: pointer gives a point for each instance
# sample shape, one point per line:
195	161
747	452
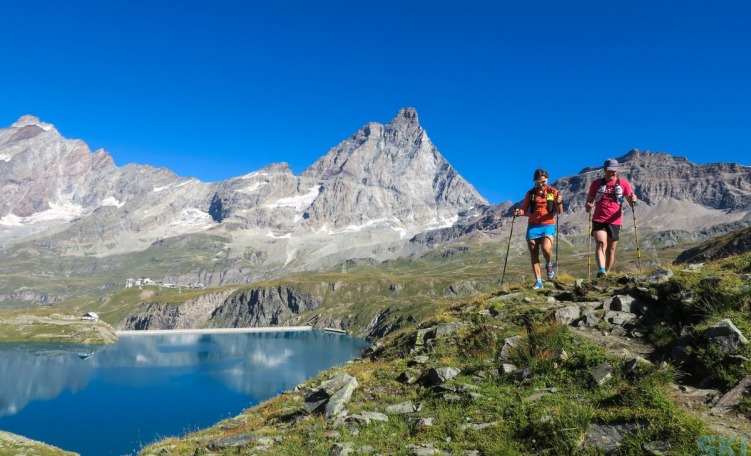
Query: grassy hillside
552	403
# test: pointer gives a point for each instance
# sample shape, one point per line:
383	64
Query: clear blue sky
216	89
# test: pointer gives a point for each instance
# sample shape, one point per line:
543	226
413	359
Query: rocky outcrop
249	308
191	314
735	243
262	307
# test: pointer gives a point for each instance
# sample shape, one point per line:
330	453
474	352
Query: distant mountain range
382	193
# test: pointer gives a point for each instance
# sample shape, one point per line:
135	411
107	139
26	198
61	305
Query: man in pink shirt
606	196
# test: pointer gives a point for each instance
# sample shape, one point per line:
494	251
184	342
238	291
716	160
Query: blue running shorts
540	231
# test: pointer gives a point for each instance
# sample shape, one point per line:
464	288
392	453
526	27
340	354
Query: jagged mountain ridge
364	198
680	201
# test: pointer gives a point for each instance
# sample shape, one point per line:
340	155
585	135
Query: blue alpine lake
115	399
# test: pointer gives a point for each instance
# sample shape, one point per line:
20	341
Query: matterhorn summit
392	175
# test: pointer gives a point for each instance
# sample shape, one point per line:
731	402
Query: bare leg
610	254
601	240
547	248
534	252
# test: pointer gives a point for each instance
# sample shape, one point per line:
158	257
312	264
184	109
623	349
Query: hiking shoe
551	270
601	274
537	286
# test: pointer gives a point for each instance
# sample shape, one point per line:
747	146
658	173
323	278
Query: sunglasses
541	181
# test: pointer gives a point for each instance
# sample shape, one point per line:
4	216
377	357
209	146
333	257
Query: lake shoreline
148	332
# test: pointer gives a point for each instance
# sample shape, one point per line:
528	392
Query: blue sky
216	89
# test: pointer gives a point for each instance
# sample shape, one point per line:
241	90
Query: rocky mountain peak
406	115
26	120
32	121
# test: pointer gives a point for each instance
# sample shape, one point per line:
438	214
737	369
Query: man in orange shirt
541	204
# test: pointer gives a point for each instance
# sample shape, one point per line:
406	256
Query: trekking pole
557	271
508	248
636	235
589	248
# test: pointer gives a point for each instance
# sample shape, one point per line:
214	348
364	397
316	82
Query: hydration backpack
603	188
549	200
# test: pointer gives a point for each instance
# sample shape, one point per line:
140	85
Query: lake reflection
146	387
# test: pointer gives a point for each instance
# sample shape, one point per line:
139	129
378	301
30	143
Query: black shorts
614	231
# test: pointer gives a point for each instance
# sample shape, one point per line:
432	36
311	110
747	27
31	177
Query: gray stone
509	344
590	319
626	303
660	275
425	422
337	402
725	336
506	368
602	373
423	334
316	402
402	408
444	329
334	384
436	376
567	315
619	318
521	374
608	437
375	416
732	398
234	441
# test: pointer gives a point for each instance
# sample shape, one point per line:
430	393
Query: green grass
547	414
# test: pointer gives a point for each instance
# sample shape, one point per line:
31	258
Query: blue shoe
537	286
551	270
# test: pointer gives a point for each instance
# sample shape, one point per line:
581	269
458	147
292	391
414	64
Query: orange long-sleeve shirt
540	215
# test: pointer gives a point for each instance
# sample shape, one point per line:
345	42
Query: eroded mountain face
382	193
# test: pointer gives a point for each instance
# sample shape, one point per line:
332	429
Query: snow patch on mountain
252	175
65	212
175	185
195	218
298	203
253	187
112	201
